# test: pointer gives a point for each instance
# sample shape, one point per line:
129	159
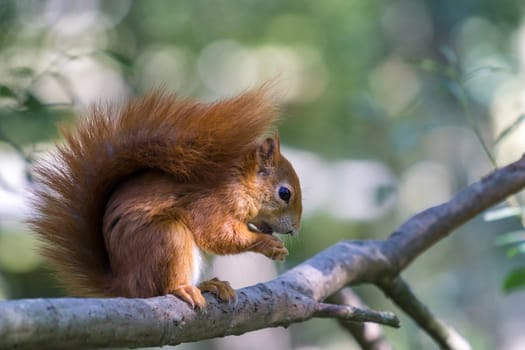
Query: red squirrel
136	195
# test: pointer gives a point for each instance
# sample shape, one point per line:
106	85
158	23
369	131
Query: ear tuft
268	152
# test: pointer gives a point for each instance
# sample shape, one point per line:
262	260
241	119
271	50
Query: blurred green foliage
428	89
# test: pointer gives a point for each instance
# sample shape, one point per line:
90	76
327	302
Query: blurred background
389	107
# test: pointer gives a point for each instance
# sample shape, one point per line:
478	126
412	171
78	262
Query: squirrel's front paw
271	246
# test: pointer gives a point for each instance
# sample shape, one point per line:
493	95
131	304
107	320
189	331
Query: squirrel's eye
284	193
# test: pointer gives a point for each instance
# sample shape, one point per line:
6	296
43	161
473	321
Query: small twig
350	313
401	294
368	335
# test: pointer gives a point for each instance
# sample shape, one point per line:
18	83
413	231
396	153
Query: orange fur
134	193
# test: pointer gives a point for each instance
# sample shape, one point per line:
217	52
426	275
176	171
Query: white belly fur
200	265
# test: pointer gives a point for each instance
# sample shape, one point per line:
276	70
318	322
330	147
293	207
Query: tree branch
354	314
429	226
368	335
292	297
447	338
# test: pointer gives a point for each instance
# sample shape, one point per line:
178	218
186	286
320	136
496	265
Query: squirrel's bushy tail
190	140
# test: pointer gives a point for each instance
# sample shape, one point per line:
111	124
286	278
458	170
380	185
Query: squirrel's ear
268	152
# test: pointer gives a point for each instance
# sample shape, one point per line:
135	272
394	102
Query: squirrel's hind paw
190	294
222	289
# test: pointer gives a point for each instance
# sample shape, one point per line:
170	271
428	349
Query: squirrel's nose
293	231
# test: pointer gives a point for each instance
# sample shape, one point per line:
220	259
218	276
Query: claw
222	289
190	294
271	246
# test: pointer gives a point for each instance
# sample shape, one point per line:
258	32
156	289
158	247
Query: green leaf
516	250
502	213
6	91
475	72
514	280
32	102
23	72
429	65
510	238
121	59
